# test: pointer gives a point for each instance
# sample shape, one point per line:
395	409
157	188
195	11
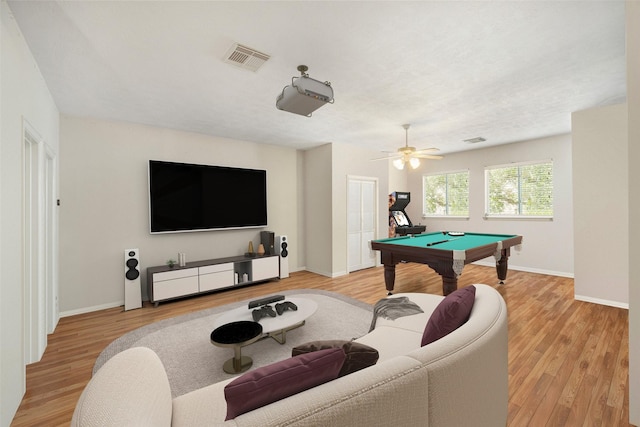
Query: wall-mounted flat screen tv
188	197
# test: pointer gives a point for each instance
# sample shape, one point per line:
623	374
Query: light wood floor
568	360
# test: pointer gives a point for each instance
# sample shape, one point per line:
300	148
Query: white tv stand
165	283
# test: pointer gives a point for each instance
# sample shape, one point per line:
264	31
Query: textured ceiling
504	70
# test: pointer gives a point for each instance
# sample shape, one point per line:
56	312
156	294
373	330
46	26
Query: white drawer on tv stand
218	276
167	289
199	277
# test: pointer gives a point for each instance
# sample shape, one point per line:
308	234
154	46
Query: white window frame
429	215
487	215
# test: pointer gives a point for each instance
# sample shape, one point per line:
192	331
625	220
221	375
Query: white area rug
192	362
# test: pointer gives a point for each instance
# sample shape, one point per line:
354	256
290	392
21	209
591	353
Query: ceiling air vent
475	140
245	57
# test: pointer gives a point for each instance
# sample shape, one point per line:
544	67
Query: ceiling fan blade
427	156
387	158
427	150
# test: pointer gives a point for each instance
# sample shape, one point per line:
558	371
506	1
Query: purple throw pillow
452	312
358	356
281	379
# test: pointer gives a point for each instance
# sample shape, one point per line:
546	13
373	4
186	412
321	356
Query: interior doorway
362	221
39	235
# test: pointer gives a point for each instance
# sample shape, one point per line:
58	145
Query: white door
361	222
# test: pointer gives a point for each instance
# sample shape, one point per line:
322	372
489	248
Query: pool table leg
449	284
501	266
389	277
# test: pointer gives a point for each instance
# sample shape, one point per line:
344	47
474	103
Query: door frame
39	243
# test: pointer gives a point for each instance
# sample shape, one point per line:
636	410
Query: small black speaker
132	290
267	238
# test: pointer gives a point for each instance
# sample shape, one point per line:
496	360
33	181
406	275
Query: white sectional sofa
458	380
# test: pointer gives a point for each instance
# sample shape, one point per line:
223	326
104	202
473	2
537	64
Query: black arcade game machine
399	222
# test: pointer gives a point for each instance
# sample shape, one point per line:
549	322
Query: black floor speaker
132	290
282	249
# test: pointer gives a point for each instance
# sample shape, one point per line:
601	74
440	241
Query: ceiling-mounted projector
305	95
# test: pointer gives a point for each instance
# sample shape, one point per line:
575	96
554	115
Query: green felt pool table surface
446	254
453	243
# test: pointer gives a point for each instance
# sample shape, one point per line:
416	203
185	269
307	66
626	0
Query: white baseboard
602	301
91	309
526	269
328	274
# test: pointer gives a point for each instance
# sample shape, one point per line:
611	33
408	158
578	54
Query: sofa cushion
450	314
282	379
130	389
358	356
392	342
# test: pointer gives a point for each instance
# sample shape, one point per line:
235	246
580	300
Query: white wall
350	160
397	180
299	208
633	103
601	208
317	208
326	169
23	95
547	246
104	204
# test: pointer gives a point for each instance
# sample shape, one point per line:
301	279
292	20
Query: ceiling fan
409	154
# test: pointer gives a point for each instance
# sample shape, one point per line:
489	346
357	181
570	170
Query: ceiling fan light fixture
399	164
408	154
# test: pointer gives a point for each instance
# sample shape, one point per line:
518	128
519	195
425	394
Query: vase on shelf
260	249
250	252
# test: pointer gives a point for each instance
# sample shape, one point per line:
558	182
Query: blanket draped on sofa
393	308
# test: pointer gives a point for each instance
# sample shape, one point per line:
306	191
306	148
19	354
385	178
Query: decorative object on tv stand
305	95
260	249
171	263
250	252
267	238
182	259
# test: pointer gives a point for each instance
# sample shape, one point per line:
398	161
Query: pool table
445	252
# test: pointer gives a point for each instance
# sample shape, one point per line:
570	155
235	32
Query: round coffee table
274	327
236	335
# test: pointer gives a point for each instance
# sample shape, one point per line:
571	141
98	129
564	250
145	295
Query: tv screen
189	197
401	218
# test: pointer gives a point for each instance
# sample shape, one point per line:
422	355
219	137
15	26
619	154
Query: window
521	190
446	194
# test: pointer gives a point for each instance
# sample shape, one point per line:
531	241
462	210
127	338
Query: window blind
520	190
